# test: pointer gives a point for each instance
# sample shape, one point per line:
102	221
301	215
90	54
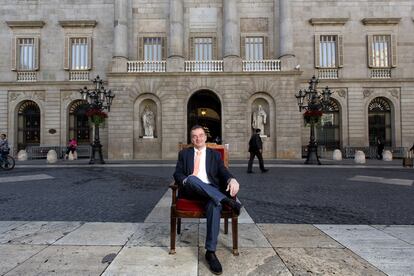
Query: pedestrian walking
380	149
255	149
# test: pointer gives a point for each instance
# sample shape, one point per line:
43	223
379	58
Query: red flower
313	113
96	112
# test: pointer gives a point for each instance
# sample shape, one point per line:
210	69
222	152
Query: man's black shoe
249	171
235	206
213	262
265	170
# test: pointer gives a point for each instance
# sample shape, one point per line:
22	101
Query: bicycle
7	163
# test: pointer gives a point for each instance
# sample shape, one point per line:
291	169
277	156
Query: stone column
231	36
286	51
175	61
120	54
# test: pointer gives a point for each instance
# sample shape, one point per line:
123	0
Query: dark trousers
259	156
195	189
70	149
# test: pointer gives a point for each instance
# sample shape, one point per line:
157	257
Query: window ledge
78	23
381	21
25	24
328	21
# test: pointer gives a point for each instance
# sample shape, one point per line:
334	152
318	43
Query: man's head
198	137
3	136
258	130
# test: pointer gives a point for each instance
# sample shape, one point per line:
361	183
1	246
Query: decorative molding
25	24
27	95
341	93
13	96
39	95
328	21
395	93
367	92
381	21
78	23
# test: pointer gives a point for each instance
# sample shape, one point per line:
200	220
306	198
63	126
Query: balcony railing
328	74
78	75
381	73
27	76
138	66
265	65
203	65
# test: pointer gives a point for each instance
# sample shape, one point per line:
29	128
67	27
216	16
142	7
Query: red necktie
197	163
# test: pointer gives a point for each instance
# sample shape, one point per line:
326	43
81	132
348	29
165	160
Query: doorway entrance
204	109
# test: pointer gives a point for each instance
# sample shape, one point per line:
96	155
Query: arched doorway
78	122
28	125
379	121
328	132
204	109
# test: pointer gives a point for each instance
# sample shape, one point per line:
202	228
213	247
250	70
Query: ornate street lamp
314	104
98	100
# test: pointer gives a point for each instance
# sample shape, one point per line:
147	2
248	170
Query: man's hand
233	187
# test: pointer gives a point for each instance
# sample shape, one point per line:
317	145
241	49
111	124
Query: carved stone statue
148	122
259	119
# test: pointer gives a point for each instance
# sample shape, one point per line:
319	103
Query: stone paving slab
158	235
100	233
402	232
251	261
249	236
9	225
12	255
325	261
297	235
38	232
66	260
362	236
154	261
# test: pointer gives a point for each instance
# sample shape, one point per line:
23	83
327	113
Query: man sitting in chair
201	175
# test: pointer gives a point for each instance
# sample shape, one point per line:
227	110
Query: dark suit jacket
255	143
217	173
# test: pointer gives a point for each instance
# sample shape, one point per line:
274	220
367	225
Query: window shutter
370	56
317	51
266	47
192	54
14	52
340	51
164	48
66	54
243	47
90	52
36	43
140	48
393	50
215	50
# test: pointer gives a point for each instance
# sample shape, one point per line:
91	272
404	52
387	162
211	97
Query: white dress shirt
202	173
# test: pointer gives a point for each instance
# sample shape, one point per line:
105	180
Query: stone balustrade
138	66
265	65
203	65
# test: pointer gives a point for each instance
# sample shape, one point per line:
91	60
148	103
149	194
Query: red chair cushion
192	205
221	151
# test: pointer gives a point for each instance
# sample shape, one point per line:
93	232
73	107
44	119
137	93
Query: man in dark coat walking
255	149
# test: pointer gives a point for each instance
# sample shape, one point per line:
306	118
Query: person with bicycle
4	147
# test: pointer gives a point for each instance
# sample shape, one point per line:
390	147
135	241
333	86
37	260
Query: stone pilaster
286	51
175	62
231	37
120	54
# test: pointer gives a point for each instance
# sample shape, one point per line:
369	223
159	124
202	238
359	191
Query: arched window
328	132
78	122
28	125
379	121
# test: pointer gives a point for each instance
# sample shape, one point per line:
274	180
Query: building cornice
381	21
328	21
78	23
25	24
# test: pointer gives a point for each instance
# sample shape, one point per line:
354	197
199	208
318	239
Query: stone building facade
208	62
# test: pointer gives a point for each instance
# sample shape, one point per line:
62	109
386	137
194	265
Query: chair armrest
174	187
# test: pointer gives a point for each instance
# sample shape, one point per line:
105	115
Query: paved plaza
336	219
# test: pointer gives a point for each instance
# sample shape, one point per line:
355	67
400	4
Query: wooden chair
185	208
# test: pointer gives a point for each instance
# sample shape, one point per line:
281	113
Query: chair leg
234	228
226	226
173	229
178	226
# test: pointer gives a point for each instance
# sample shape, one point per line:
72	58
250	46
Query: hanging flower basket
312	117
96	116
